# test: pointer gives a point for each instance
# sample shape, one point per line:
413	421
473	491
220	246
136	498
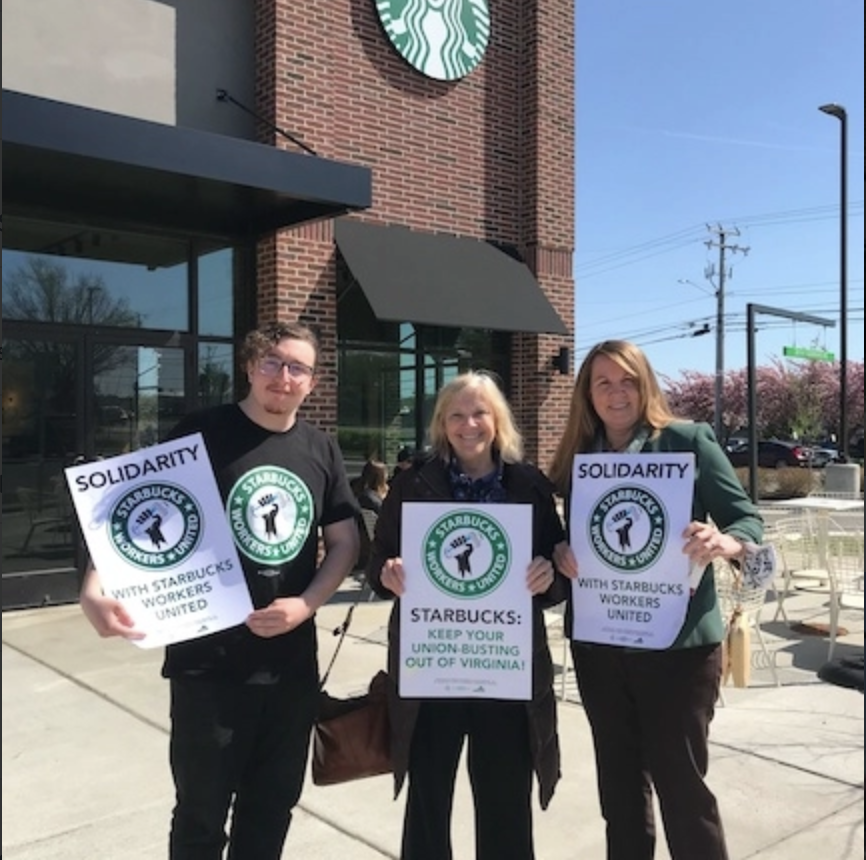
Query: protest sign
157	533
466	613
628	514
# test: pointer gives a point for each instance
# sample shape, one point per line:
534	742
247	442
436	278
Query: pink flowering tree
794	399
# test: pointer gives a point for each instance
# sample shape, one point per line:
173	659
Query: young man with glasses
243	700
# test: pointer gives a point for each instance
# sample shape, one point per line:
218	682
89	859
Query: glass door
42	430
68	397
138	395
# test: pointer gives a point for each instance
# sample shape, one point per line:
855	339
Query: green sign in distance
807	352
443	39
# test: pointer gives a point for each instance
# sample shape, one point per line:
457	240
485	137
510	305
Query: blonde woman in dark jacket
476	457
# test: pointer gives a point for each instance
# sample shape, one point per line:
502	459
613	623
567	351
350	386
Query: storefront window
215	373
215	292
102	358
71	275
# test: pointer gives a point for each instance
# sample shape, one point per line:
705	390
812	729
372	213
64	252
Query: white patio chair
798	550
845	563
369	517
554	618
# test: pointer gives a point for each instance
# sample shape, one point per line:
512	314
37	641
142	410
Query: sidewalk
85	771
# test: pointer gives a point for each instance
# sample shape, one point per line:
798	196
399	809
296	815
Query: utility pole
720	241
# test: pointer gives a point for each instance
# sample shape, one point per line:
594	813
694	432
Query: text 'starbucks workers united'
155	526
270	511
442	39
467	554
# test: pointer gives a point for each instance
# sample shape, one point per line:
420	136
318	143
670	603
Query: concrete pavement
85	771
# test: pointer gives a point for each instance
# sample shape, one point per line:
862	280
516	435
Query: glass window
216	379
138	394
69	274
215	300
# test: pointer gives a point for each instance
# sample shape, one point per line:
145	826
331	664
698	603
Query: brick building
178	171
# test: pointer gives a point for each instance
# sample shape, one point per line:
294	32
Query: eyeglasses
272	366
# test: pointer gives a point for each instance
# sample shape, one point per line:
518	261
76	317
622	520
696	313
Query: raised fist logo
460	549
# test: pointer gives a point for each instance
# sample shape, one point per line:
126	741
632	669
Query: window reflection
65	274
215	293
215	373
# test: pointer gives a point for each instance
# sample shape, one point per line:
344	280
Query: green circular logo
271	515
627	529
466	554
443	39
155	526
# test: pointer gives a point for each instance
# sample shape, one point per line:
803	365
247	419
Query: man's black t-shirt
278	488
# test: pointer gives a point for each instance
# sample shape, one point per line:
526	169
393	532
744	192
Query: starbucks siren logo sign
443	39
466	554
155	526
627	529
271	513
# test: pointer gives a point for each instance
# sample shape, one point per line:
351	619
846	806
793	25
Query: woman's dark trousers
500	774
650	714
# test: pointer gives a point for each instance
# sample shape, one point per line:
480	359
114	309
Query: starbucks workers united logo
271	514
627	529
155	526
443	39
467	554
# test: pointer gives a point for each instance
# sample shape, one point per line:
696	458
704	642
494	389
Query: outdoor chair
798	550
50	512
369	517
845	564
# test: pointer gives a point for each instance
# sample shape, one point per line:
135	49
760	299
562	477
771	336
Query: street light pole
842	115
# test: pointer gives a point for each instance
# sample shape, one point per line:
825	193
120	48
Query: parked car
773	454
822	456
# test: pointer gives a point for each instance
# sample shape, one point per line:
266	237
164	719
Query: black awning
437	279
67	162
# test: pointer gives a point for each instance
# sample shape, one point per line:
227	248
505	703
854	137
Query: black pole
752	391
752	378
842	115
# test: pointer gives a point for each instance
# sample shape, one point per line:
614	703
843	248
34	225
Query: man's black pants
238	747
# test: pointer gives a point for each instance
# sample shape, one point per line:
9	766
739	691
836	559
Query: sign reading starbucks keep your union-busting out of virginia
443	39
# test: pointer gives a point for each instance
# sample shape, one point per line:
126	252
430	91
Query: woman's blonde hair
583	425
508	440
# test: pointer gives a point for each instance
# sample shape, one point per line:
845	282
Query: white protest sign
157	533
466	613
628	514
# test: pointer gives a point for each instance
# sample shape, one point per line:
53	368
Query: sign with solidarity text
628	514
466	613
157	533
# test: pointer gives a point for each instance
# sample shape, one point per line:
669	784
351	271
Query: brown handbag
351	736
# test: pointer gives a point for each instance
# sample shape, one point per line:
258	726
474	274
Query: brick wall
489	156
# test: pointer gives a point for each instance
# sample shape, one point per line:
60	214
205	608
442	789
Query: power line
682	238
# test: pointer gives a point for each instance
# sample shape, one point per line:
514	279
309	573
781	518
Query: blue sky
693	114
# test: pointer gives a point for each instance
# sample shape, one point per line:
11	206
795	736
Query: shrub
780	483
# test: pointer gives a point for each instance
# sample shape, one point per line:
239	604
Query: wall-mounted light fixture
562	361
